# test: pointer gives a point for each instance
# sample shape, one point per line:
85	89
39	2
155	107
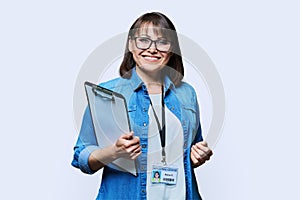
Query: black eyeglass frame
155	41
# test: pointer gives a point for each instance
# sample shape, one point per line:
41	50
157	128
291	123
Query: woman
164	117
156	177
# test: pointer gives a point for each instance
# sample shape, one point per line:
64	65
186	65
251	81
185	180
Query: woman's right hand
127	146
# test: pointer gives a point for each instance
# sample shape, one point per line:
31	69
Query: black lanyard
161	129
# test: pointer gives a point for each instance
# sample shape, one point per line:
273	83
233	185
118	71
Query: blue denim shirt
181	101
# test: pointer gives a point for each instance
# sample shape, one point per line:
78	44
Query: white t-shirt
173	148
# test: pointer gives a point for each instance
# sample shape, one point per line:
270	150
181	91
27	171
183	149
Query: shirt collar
136	81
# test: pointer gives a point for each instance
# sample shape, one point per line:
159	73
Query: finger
133	148
136	140
201	154
127	136
204	155
135	156
132	142
124	144
197	162
200	159
202	147
136	151
204	143
194	160
205	149
197	155
208	150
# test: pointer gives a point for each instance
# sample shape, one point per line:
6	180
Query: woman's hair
164	26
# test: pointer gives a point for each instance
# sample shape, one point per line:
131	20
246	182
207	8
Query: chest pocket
189	116
132	114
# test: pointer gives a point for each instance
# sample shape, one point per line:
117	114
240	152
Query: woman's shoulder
185	88
186	95
114	84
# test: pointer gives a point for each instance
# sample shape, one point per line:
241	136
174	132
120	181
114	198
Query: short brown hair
175	68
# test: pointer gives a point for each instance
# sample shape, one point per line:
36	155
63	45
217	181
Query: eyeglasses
144	43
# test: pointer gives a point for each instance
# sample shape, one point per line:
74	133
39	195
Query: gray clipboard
110	119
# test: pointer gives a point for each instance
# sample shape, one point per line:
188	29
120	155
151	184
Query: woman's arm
200	152
89	158
127	146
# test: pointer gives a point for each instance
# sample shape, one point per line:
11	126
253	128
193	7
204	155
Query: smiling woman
164	116
144	48
156	32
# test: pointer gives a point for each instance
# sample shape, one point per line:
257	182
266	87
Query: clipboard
110	119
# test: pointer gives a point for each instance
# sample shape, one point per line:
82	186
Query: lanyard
161	129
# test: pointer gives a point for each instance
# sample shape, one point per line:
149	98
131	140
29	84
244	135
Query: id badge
164	175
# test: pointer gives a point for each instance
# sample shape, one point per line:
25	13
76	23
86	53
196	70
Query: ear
130	44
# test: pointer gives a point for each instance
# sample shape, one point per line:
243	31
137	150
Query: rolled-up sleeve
85	144
83	160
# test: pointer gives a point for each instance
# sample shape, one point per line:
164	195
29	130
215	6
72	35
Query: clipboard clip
103	94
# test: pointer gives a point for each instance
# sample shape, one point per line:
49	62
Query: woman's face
150	60
156	175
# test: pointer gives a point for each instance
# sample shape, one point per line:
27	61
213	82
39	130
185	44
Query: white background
254	45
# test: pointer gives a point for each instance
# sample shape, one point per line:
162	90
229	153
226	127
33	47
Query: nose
152	47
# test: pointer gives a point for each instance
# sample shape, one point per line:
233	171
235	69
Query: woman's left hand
200	153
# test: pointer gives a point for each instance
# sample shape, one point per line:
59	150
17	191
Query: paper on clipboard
110	120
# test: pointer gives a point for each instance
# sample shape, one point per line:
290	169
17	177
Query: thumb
128	135
204	143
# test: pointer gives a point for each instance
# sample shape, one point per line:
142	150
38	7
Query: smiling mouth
151	58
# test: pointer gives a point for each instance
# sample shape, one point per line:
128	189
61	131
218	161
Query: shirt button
144	124
172	108
144	109
143	146
185	145
143	191
143	167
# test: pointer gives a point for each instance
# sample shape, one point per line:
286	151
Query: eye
163	42
143	40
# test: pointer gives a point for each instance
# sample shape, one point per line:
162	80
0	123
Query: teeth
151	58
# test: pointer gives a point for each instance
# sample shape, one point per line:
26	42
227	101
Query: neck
154	88
149	77
153	81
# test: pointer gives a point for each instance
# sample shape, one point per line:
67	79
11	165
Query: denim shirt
181	101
